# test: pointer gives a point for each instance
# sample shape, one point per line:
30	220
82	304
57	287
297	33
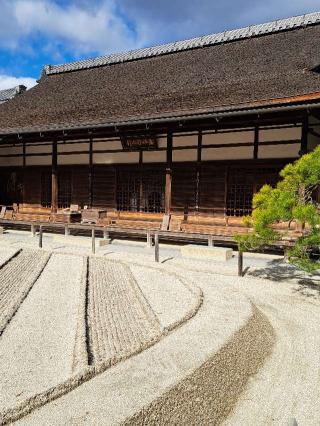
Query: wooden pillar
23	171
40	236
140	198
198	172
54	178
168	174
256	143
226	179
93	241
156	247
90	175
304	135
240	263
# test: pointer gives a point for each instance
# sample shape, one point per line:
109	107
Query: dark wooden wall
183	186
212	188
104	186
212	192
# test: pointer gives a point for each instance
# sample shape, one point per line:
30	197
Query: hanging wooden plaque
138	142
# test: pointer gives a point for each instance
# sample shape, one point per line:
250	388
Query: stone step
198	251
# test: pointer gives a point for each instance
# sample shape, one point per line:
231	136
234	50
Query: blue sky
38	32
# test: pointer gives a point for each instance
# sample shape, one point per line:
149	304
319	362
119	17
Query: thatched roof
258	69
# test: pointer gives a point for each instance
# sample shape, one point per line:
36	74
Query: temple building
7	94
175	137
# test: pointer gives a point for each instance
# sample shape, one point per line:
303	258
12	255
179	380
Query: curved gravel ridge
83	375
289	384
209	394
36	349
6	254
16	280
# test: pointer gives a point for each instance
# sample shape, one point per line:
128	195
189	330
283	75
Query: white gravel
168	296
6	253
289	384
16	279
36	349
120	319
119	392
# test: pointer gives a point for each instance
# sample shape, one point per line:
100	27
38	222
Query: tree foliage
293	199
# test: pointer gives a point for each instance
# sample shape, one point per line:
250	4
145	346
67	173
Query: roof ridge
6	94
196	42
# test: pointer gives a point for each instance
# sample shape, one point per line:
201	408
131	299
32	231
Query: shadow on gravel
278	271
306	285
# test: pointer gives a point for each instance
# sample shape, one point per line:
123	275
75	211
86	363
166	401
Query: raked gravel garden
115	338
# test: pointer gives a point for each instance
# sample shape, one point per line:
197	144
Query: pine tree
295	198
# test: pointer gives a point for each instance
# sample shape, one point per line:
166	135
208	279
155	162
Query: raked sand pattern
17	277
36	349
209	348
82	315
119	316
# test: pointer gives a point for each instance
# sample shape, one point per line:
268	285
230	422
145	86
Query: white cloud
8	81
77	28
72	27
170	20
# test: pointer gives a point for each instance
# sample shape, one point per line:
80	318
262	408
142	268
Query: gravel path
16	279
36	349
120	320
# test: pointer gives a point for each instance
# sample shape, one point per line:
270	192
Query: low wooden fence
150	235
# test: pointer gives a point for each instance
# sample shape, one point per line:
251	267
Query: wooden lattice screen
138	191
64	189
46	189
243	183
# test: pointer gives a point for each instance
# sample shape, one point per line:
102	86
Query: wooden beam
167	195
235	122
90	175
304	136
198	172
177	148
54	178
256	142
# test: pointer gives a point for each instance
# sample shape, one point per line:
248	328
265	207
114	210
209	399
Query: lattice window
128	187
140	193
243	183
46	189
153	193
64	190
239	199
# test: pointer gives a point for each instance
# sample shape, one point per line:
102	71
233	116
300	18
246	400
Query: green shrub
292	199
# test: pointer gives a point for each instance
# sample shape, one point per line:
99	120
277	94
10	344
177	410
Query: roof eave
215	114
